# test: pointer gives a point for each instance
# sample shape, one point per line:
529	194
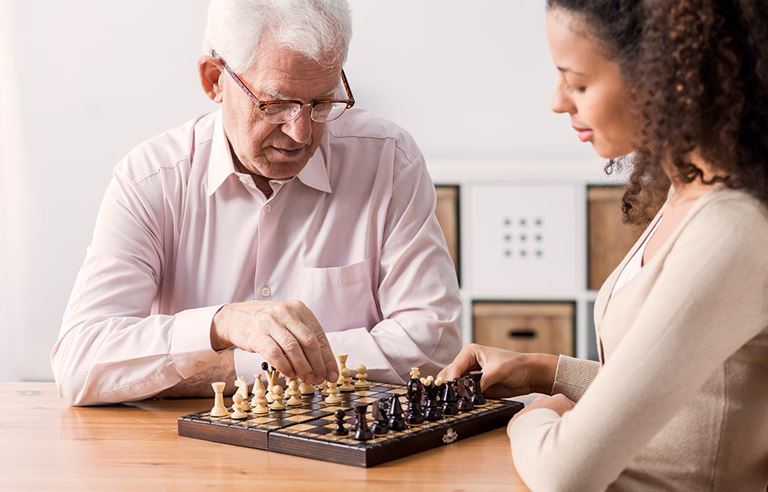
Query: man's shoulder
168	150
362	124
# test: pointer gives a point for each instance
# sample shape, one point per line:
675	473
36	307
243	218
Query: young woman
679	399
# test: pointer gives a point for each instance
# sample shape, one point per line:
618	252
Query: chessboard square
300	418
296	411
262	420
366	393
319	413
398	391
365	400
320	431
301	427
379	389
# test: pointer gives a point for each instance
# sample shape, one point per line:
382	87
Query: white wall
83	81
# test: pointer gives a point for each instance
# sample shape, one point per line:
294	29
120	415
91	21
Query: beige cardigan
680	399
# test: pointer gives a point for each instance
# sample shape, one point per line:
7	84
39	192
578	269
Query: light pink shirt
181	233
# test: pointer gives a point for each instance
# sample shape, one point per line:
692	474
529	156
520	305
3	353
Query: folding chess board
308	430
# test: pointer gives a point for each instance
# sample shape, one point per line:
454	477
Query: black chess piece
465	395
450	399
415	414
396	420
363	433
383	404
432	410
379	425
477	395
340	430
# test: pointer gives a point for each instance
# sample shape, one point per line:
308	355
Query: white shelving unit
523	232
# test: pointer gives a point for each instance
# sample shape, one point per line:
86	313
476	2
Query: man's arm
110	348
418	292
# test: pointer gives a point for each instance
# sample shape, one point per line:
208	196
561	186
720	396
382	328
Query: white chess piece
345	375
242	390
238	413
333	394
362	378
219	409
306	388
277	396
259	402
293	392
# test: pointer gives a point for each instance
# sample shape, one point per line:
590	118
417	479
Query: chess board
308	430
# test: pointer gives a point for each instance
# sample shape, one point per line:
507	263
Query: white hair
318	29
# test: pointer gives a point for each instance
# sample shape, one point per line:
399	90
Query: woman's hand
505	373
559	403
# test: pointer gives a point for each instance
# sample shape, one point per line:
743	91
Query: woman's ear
209	69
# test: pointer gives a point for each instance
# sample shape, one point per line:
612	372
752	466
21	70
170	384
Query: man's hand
285	333
505	373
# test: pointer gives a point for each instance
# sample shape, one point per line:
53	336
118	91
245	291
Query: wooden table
46	445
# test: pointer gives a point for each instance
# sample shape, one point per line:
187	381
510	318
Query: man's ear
209	69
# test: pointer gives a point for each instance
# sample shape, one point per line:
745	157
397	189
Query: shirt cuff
191	349
248	365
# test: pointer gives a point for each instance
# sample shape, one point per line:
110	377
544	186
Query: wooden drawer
608	237
448	216
525	327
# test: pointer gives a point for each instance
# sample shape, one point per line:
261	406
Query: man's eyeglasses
282	111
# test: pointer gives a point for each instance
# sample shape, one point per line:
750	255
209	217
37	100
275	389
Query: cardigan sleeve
573	376
708	300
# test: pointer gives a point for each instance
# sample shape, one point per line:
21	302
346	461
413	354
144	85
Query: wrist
219	340
542	368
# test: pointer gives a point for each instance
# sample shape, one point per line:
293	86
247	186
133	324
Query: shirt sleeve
111	348
708	300
418	291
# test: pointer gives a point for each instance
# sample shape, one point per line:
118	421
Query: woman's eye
578	89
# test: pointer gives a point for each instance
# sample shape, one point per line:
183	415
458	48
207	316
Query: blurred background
84	81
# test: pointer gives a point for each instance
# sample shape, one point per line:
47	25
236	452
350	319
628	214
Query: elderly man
283	227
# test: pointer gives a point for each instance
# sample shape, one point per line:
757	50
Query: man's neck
261	182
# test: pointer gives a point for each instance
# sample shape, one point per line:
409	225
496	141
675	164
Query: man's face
276	151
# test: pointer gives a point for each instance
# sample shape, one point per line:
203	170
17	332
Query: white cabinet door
522	239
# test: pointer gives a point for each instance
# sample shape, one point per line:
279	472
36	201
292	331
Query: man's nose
300	128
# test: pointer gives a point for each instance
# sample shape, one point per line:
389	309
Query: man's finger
273	354
292	350
464	362
312	344
331	372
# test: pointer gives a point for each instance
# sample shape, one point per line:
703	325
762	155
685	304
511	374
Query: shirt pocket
340	297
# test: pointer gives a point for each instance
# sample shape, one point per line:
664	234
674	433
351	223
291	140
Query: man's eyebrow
273	93
570	70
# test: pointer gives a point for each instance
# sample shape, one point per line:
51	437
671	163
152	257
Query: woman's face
590	87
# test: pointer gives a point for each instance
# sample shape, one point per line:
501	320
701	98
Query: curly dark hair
698	75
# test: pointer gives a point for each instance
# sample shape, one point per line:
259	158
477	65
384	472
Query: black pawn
465	395
379	425
477	396
396	420
450	399
363	433
432	410
340	430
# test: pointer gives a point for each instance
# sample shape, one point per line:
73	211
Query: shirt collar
221	166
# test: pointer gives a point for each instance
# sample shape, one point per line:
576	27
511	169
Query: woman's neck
688	191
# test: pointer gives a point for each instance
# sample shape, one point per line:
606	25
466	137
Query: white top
635	263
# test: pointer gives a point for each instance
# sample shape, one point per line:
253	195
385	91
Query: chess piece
450	399
379	425
277	397
362	378
345	375
363	433
242	390
333	394
219	409
259	402
396	420
272	379
477	394
415	389
465	396
293	392
432	410
237	408
340	430
306	389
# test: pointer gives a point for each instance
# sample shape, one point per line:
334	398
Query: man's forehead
276	90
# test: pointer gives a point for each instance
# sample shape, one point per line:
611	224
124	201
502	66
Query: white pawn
259	402
293	392
237	408
333	394
362	378
219	409
345	375
242	390
306	388
277	396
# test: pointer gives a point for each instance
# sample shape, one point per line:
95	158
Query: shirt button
266	292
267	208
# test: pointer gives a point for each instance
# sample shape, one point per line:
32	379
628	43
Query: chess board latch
450	436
